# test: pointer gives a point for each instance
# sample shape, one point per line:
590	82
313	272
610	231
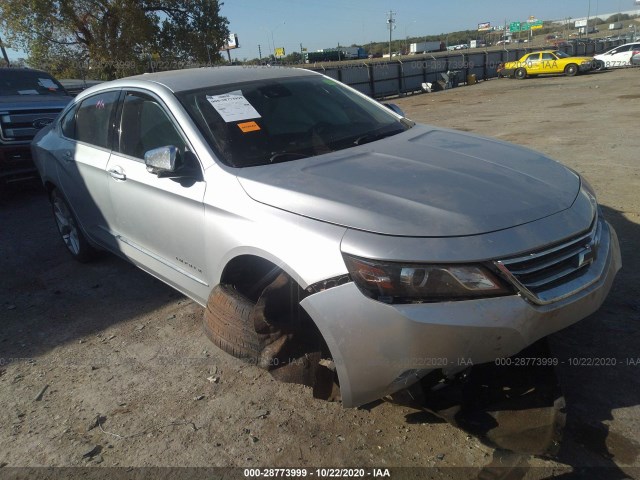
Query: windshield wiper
284	156
372	137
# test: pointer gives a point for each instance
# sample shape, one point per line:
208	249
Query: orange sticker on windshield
248	127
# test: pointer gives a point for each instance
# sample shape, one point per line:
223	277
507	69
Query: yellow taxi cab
546	62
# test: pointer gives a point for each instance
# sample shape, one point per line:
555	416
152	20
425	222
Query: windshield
280	120
28	82
561	54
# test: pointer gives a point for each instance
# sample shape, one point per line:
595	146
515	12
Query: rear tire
68	227
520	74
571	70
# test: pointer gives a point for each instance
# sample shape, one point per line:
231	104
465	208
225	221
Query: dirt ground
106	341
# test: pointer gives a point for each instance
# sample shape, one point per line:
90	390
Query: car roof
194	78
624	45
23	69
618	46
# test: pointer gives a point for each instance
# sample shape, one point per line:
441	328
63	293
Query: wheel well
250	275
294	345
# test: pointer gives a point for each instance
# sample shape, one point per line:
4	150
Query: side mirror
394	108
161	160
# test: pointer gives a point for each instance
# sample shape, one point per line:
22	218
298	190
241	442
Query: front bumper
380	348
506	72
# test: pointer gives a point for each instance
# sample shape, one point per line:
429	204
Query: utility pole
391	24
588	18
4	53
504	35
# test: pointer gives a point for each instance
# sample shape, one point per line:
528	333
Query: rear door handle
117	174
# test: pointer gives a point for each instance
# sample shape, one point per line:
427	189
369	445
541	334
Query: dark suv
29	100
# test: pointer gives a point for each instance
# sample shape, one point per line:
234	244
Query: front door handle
67	156
117	174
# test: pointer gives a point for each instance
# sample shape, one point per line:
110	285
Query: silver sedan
327	235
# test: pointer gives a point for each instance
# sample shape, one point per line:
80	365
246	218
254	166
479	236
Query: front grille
22	126
541	271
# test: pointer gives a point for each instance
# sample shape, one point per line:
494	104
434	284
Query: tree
107	39
293	57
618	17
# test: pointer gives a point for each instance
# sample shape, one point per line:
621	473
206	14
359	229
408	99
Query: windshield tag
248	127
233	107
47	83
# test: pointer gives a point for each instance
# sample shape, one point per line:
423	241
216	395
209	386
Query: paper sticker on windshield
47	83
233	107
248	127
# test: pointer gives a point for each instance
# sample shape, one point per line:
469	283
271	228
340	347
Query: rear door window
94	119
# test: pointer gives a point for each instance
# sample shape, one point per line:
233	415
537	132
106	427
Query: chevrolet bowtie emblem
585	257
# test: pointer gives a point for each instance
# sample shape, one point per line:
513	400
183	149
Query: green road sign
531	25
536	25
525	26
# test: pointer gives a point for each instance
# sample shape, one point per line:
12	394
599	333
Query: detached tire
571	70
68	227
520	74
228	323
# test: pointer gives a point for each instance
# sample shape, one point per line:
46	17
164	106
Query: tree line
107	39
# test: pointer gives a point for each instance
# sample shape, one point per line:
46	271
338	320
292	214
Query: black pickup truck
29	100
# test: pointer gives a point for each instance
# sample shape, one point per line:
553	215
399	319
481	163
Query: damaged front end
276	334
516	405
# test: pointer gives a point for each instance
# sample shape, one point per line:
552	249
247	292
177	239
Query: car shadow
560	75
559	412
601	379
47	299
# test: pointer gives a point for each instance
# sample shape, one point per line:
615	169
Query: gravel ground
102	365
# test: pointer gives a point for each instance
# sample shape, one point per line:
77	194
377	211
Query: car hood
11	102
426	182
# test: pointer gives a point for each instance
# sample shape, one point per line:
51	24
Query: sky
325	23
320	24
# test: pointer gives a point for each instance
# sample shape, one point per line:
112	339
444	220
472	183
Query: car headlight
391	282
